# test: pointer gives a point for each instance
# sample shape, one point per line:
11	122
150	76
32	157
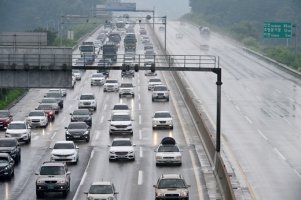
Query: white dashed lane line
53	135
140	177
140	120
279	154
262	135
249	120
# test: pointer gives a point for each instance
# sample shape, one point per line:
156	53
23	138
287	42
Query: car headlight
131	151
178	157
111	198
90	198
86	132
159	194
67	133
112	152
39	181
158	157
13	151
62	181
184	193
6	168
7	120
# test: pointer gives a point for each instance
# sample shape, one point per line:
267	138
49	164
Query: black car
57	96
11	146
7	165
82	115
78	131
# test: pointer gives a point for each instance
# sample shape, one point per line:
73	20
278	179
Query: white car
160	92
19	130
121	108
102	190
63	92
126	89
88	101
121	148
77	74
168	152
98	79
121	123
111	85
37	118
162	119
65	151
152	82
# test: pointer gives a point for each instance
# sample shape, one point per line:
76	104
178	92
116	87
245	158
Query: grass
9	97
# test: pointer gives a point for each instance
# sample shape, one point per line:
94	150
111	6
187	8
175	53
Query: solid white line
139	96
138	88
140	119
92	154
237	108
141	152
105	107
278	152
261	133
140	134
249	120
101	119
97	135
35	138
140	177
278	91
53	135
83	179
139	107
298	174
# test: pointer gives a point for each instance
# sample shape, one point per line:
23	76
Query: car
126	89
5	118
48	109
102	190
152	82
53	102
161	28
121	108
160	92
19	130
77	131
82	115
104	71
168	152
171	186
121	123
37	118
111	85
57	96
65	151
162	119
98	79
128	73
87	100
63	92
77	74
53	177
148	47
7	165
150	73
121	148
12	147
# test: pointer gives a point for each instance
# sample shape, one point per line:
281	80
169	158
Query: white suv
126	89
111	85
121	123
19	130
87	100
162	119
160	92
98	79
37	118
102	190
152	82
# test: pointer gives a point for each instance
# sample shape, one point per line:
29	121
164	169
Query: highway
260	113
133	180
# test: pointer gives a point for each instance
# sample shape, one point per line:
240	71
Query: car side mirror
76	147
37	173
66	128
134	145
50	148
116	192
188	186
70	113
155	186
86	193
68	173
109	145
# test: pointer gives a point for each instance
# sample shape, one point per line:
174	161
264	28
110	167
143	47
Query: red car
5	118
48	109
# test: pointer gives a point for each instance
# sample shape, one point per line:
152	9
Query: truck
109	50
87	51
130	41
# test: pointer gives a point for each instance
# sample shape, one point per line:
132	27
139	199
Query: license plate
51	186
77	136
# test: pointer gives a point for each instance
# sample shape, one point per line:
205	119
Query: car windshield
171	183
168	148
87	97
154	80
120	107
49	100
52	170
81	112
121	118
101	189
77	126
17	126
121	143
3	161
111	81
36	114
4	114
76	71
8	143
160	88
126	85
162	115
63	146
45	107
97	75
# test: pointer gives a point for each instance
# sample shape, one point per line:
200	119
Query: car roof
162	112
87	94
101	183
18	122
4	155
49	163
77	123
121	139
121	113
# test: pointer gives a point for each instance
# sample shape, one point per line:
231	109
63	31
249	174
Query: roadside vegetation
243	21
7	96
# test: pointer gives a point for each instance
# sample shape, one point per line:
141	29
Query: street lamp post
164	20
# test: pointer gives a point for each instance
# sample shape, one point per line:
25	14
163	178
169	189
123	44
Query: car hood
63	151
3	119
36	117
172	154
122	148
81	116
76	130
51	177
100	196
111	84
15	131
121	122
162	119
6	149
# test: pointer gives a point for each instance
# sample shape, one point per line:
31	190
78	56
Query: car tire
95	108
88	139
53	119
167	99
28	141
153	99
133	96
120	95
65	193
39	194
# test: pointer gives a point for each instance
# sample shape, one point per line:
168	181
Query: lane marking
138	88
140	134
262	135
298	174
279	154
237	108
101	119
139	107
278	91
140	177
140	119
291	99
84	177
139	96
141	152
53	135
35	138
105	107
97	135
249	120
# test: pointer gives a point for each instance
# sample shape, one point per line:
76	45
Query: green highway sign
277	30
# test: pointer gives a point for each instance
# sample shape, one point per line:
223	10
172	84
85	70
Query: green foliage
7	96
51	35
243	30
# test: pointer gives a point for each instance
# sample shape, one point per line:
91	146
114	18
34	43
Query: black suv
7	165
82	115
53	177
12	147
